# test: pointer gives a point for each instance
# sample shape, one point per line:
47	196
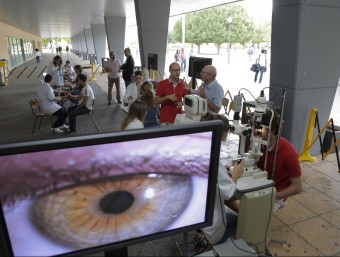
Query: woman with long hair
148	96
136	116
55	69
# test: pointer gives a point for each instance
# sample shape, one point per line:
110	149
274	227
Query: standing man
127	67
112	66
49	105
210	90
85	100
287	171
169	95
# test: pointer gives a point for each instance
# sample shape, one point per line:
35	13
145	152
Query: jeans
73	111
261	74
61	115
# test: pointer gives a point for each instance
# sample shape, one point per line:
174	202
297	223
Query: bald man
210	90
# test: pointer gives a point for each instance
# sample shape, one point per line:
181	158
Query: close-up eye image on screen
60	197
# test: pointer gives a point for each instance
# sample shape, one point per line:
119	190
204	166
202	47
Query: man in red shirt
287	171
169	95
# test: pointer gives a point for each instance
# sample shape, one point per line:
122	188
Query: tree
263	32
211	26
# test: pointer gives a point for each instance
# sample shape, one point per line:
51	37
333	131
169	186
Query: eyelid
41	176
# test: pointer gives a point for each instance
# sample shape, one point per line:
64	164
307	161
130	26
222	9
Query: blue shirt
214	92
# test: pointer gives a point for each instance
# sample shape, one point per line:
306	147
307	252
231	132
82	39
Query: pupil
116	202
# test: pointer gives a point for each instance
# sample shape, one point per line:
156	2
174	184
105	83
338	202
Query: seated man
49	104
287	173
132	90
85	99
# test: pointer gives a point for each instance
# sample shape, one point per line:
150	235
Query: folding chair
90	114
38	113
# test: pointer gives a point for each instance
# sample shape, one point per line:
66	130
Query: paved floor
310	223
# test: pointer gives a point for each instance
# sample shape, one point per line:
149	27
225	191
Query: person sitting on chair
49	104
225	189
85	99
287	173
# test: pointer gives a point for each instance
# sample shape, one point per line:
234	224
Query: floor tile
333	217
294	212
316	201
321	234
295	246
277	223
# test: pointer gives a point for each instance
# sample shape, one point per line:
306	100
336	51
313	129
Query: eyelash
101	168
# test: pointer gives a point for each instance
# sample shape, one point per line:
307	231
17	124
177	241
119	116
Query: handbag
255	67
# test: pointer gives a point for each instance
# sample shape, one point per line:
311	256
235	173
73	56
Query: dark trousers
112	81
61	115
73	111
261	75
127	82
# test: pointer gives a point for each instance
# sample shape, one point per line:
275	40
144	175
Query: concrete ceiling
64	18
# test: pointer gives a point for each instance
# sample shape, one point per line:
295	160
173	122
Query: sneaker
63	127
57	130
120	102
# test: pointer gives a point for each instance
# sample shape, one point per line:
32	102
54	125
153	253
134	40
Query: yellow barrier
305	155
3	64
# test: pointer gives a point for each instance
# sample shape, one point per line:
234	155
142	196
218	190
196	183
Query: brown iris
113	209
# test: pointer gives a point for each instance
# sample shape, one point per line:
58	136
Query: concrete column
99	41
153	30
89	41
305	61
80	48
115	31
82	41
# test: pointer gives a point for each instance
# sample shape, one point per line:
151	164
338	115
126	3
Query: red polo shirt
287	164
168	108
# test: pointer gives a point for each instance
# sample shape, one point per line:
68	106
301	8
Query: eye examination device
194	108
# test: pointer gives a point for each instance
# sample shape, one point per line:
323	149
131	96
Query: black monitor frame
129	135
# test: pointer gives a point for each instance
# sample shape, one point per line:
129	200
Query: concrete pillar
80	48
89	41
82	41
99	41
153	30
115	31
305	61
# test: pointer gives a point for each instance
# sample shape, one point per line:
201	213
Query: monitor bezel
128	135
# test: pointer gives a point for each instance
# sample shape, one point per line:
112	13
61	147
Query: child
147	95
136	116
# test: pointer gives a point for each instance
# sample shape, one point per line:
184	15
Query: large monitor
196	64
82	195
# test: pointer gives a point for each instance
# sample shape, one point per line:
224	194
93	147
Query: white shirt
56	73
87	91
226	189
69	72
135	124
131	90
114	66
46	98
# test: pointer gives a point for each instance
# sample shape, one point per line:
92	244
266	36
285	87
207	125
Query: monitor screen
196	64
96	193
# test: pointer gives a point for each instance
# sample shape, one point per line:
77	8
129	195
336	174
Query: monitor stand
119	252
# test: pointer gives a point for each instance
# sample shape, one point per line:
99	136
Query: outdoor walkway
310	223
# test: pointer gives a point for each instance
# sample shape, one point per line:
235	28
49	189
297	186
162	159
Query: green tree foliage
263	33
211	26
